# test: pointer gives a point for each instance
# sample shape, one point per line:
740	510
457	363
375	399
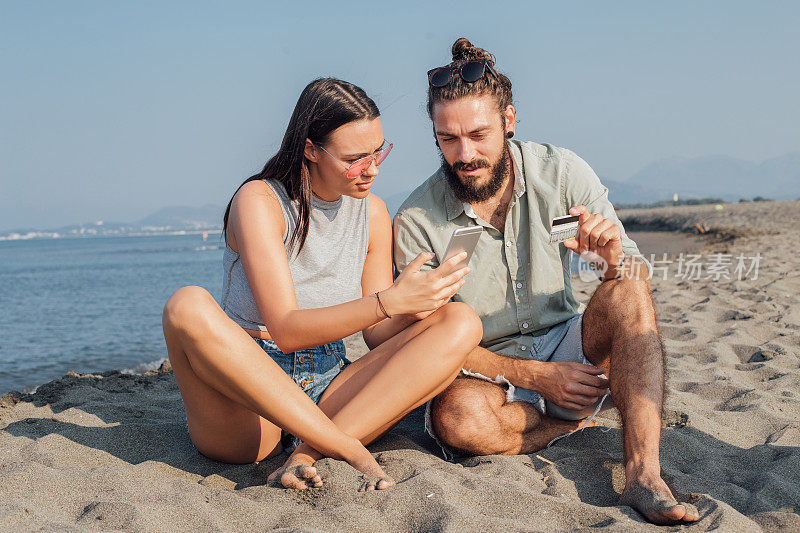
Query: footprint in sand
745	352
705	355
744	400
767	354
734	314
107	515
701	305
761	370
675	333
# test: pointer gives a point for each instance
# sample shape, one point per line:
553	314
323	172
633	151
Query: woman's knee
461	321
186	307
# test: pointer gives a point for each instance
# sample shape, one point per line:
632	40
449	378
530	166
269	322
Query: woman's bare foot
375	478
297	472
653	499
379	484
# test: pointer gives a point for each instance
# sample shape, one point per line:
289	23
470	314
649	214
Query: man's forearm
520	372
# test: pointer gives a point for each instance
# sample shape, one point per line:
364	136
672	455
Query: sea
93	304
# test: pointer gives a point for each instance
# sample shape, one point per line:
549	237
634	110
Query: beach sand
110	451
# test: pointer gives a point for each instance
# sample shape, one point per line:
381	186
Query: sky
112	110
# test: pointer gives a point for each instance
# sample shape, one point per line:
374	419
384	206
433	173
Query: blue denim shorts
312	369
563	342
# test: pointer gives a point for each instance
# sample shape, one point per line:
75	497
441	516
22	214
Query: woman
308	261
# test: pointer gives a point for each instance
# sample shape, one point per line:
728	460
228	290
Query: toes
669	515
381	484
290	481
682	512
692	514
308	472
384	483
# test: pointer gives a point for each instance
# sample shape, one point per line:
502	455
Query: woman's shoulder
256	189
376	205
379	222
257	197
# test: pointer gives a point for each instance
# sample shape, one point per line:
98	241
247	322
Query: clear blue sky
111	110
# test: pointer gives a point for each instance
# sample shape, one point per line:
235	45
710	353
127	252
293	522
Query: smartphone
463	240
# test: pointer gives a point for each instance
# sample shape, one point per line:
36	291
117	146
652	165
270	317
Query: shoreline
47	236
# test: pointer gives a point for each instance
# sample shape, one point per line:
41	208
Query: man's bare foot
297	472
653	499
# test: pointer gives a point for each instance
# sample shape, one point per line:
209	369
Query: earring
509	134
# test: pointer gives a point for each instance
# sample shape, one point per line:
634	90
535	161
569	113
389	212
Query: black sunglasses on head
470	71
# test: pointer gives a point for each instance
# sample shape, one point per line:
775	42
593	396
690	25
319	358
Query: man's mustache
472	165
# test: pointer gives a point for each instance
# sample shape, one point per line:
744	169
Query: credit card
564	228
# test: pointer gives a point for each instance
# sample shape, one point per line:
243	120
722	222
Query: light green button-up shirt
519	284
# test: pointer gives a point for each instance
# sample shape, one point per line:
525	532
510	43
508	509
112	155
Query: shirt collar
455	206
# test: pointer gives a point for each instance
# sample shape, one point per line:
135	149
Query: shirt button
524	324
523	348
519	285
508	243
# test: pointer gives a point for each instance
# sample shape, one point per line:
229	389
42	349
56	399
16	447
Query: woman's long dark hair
324	105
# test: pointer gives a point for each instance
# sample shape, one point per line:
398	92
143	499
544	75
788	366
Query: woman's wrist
381	306
388	299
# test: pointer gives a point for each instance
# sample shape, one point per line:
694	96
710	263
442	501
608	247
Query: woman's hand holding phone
421	293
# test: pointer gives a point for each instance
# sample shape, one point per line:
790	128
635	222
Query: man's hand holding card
597	235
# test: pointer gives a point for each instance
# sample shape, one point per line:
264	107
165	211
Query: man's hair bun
492	82
463	50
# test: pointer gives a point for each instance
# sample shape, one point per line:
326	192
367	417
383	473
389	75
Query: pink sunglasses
359	166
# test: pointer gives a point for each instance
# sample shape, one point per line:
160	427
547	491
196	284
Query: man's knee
625	303
464	417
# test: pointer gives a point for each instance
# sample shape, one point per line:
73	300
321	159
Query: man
551	357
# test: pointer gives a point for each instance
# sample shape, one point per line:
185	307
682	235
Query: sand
110	451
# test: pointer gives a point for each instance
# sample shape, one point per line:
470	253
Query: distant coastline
89	234
175	220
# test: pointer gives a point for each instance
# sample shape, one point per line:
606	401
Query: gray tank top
326	272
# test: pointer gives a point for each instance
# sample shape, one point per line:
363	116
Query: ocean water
90	305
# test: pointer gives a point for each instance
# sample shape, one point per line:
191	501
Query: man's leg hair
621	335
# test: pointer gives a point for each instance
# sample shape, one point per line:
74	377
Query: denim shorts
312	369
563	342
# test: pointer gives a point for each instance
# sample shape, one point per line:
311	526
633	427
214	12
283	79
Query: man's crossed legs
619	335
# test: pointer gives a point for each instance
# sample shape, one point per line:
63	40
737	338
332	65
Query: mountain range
722	177
177	219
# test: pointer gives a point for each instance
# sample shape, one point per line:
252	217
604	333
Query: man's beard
468	192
